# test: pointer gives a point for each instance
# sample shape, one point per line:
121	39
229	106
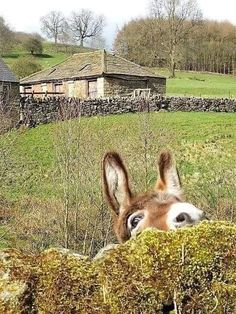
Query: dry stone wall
197	271
40	111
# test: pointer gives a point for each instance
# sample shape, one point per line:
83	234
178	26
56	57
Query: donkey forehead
152	202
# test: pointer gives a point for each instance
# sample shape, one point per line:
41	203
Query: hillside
198	84
51	54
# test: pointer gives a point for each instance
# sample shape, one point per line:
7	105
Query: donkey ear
116	185
169	181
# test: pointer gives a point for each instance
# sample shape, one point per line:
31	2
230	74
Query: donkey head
162	208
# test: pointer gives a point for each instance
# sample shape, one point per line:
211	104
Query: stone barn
9	84
93	75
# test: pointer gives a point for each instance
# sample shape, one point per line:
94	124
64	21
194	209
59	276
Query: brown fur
113	157
165	163
155	204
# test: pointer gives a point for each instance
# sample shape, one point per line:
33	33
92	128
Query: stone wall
197	271
118	87
38	111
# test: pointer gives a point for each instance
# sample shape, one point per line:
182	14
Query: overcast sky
24	15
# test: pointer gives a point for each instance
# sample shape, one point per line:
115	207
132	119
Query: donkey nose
183	217
183	214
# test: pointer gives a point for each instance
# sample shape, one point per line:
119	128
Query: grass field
200	84
36	147
55	169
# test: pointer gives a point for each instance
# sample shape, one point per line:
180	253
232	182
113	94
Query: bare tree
98	42
86	25
53	25
171	17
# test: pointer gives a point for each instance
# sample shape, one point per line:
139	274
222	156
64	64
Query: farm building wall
120	87
42	88
157	85
14	90
114	86
78	89
100	87
105	87
9	90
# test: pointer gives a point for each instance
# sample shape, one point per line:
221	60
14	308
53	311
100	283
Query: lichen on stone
194	267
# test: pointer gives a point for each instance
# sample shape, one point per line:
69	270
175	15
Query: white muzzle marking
183	214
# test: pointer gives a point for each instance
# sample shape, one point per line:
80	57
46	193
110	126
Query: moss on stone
195	266
16	282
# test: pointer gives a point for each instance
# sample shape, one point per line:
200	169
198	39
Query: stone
46	110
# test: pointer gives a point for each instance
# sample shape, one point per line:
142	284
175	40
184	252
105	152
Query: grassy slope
36	147
50	56
46	60
200	84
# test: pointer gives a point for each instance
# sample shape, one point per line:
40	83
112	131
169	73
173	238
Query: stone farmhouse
93	75
9	84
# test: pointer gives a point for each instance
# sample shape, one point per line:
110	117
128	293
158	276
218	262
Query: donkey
163	207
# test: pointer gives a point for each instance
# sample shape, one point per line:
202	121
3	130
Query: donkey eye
135	220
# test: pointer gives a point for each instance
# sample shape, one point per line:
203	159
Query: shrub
25	66
33	45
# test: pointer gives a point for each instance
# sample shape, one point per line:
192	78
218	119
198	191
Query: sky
24	15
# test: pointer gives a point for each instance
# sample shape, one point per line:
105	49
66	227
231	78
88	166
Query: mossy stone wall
194	267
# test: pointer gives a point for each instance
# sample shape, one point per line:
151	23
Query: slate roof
89	64
6	75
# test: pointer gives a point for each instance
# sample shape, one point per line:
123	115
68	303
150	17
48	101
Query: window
142	92
71	89
6	87
44	87
58	87
92	89
85	66
27	89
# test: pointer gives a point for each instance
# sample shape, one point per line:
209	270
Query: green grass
200	84
34	149
45	60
